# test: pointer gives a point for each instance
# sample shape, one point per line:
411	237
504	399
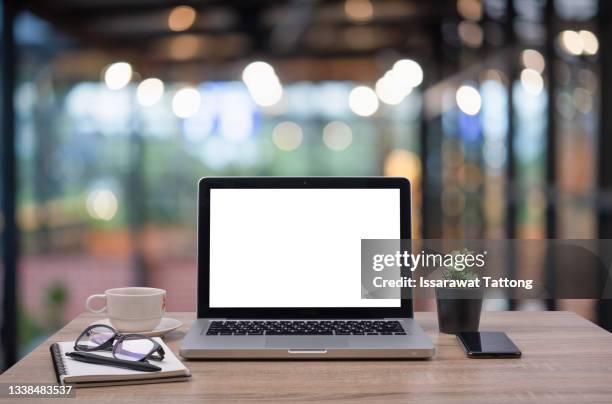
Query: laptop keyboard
323	327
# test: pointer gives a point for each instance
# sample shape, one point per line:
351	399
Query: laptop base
414	345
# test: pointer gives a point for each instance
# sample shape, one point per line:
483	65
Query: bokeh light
403	163
337	135
589	42
102	204
263	83
532	81
532	59
582	100
468	100
470	33
266	96
186	102
149	92
389	90
181	18
184	46
118	75
287	136
363	101
256	70
359	11
571	42
470	9
409	71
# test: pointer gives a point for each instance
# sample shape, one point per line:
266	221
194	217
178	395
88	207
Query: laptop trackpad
299	342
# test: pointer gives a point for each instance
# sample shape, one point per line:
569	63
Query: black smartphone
488	344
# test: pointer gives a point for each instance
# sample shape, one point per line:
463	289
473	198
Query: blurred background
498	111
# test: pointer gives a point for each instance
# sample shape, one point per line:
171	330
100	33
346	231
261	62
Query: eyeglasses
127	347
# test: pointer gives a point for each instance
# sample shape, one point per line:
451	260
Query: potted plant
458	307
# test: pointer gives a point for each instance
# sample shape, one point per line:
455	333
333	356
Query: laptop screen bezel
206	184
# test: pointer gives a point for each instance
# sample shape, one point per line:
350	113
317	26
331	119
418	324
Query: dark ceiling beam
302	53
88	10
408	24
407	27
139	36
116	8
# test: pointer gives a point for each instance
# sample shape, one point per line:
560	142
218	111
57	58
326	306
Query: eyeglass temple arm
160	353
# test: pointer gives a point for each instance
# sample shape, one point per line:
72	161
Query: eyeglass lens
95	337
133	348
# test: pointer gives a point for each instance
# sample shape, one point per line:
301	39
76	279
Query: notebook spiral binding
58	361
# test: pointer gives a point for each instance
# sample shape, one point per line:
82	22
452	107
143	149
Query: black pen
103	360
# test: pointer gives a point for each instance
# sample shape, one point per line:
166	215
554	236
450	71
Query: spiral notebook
80	374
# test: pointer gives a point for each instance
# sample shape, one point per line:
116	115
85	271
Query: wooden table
565	359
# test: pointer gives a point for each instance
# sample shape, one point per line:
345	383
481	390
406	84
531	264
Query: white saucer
166	325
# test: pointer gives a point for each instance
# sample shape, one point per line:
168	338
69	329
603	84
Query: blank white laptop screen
296	247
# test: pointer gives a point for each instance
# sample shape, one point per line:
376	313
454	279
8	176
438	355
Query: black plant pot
459	309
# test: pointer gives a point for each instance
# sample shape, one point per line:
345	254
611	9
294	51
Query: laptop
279	270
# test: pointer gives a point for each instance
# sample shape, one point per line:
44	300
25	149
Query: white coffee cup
131	309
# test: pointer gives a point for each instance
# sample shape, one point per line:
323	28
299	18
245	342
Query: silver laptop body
279	272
